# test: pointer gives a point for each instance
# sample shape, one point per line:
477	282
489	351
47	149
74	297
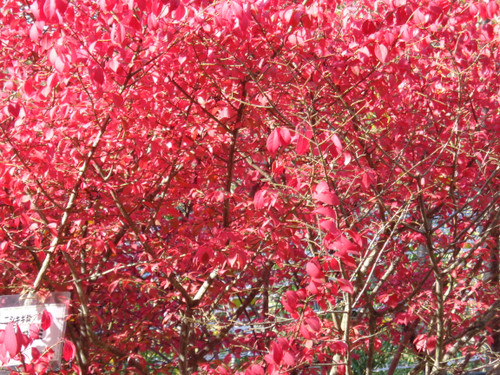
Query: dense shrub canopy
255	186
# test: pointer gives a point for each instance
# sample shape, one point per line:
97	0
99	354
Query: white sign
24	313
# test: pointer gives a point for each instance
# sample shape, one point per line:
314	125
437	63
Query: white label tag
50	339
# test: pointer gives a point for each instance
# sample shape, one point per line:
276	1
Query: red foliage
252	187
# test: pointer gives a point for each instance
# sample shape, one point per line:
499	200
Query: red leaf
492	8
278	137
346	259
237	9
112	286
289	358
232	259
420	342
258	199
49	134
59	65
97	75
333	265
337	143
277	353
288	16
61	5
14	109
368	27
46	320
255	370
76	369
34	331
424	342
313	270
343	245
347	158
117	33
22	339
419	17
312	287
303	134
49	8
326	211
473	9
302	145
285	137
3	354
287	306
69	350
366	180
339	347
314	323
117	99
305	332
11	342
204	254
381	52
35	353
329	226
322	194
34	33
273	142
291	300
227	112
346	286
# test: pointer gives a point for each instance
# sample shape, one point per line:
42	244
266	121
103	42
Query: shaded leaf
69	350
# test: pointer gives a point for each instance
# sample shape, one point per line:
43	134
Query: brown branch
171	277
69	206
249	298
